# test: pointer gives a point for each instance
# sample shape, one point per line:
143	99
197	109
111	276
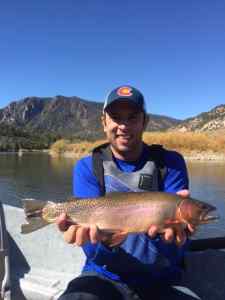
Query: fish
120	213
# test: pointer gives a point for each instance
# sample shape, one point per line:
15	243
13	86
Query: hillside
213	121
49	118
59	115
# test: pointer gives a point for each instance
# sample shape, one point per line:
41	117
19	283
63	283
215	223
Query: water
207	182
34	175
38	175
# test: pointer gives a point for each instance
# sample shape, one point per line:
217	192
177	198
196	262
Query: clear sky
172	50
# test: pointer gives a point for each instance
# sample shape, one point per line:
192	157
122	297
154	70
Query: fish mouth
209	215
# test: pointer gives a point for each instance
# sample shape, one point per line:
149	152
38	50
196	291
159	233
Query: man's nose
123	124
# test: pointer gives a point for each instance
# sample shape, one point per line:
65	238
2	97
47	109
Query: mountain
36	122
64	116
161	123
213	120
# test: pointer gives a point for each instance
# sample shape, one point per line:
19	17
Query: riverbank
204	156
189	156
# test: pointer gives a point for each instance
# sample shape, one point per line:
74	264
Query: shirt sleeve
176	177
85	184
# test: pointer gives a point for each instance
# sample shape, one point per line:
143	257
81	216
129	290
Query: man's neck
133	155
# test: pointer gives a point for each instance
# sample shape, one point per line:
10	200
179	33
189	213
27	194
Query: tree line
13	139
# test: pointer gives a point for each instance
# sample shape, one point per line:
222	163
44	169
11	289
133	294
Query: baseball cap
126	93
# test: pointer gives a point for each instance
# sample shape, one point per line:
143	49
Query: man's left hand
177	232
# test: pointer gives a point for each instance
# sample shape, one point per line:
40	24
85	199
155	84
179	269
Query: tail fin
33	212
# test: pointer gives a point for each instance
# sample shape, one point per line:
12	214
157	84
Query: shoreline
204	156
207	156
193	156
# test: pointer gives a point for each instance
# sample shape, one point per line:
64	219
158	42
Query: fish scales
129	212
121	210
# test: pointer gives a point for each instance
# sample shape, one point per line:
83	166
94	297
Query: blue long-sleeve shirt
140	261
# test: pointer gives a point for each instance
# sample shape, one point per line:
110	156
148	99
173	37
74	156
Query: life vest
111	178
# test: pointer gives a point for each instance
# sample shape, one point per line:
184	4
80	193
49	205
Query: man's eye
115	118
118	119
133	117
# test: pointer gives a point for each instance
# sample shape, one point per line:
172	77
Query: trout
120	213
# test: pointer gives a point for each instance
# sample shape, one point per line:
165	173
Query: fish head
196	212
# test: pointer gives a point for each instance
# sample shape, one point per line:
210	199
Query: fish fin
33	212
31	205
171	222
109	231
33	225
115	238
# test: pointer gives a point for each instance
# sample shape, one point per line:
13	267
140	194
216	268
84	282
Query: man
140	266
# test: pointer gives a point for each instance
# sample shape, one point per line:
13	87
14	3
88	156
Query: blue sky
172	50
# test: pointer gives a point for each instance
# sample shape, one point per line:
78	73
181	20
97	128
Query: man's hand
79	235
176	232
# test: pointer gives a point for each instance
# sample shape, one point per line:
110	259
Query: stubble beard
126	151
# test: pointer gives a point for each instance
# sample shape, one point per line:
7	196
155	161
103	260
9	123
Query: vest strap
103	152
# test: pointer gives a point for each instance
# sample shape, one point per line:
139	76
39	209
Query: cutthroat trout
120	212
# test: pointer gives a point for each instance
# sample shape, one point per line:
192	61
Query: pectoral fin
113	238
172	222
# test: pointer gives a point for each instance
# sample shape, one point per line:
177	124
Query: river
38	175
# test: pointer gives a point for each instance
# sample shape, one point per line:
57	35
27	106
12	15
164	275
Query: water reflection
207	182
34	175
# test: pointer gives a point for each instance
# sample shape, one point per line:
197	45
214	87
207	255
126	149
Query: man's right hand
77	234
80	234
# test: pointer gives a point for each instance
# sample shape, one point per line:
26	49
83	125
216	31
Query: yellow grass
186	142
77	149
183	142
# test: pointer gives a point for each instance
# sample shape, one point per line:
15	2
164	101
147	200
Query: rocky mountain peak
206	121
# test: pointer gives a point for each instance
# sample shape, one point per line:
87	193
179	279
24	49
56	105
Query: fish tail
33	212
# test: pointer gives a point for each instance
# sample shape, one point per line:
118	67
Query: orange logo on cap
124	91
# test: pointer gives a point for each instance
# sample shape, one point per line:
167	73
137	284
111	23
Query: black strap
156	154
97	161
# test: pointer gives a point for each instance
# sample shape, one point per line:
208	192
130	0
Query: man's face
124	124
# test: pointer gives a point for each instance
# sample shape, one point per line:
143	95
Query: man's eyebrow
113	111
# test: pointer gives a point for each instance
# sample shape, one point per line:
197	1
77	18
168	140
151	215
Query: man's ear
146	120
103	120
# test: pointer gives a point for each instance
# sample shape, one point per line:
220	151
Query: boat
38	266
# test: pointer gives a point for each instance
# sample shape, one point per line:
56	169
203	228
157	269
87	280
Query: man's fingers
70	234
77	234
168	235
94	234
180	237
191	228
153	230
62	222
183	193
82	235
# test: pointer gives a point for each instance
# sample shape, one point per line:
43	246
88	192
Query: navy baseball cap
126	93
